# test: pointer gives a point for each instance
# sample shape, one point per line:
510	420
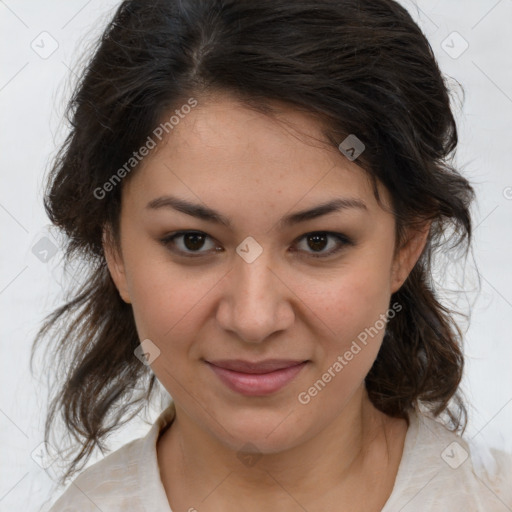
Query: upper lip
265	366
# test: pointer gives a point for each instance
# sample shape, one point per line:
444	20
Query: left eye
190	243
319	240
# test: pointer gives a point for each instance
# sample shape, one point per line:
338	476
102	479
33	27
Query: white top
438	472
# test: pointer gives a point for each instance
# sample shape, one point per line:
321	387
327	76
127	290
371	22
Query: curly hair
361	67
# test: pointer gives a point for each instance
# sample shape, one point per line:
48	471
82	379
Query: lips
256	378
266	366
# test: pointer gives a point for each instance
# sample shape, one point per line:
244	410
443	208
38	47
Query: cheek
168	299
353	306
167	305
350	299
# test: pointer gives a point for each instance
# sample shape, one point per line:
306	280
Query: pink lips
256	378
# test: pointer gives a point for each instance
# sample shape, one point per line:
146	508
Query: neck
351	450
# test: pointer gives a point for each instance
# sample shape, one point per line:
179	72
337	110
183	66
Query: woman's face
266	331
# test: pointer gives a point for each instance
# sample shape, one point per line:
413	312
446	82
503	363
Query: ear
408	254
115	264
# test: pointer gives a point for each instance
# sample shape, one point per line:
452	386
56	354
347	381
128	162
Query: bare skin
357	468
335	450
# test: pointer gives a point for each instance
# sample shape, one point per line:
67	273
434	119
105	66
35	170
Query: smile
256	379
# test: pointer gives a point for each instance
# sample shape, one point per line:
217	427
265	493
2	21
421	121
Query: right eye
189	243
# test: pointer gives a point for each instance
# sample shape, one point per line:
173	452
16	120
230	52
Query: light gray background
33	89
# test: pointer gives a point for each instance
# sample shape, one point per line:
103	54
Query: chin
260	432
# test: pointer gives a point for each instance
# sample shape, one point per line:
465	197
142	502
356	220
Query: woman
259	189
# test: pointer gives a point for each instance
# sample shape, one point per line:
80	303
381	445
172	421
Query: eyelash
342	239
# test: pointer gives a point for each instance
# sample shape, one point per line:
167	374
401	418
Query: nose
255	302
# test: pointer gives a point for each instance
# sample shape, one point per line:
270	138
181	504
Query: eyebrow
205	213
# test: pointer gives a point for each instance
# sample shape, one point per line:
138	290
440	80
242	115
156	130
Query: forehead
224	148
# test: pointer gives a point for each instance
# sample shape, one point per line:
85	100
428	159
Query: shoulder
109	484
126	479
492	468
440	469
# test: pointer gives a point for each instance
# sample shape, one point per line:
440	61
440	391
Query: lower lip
257	384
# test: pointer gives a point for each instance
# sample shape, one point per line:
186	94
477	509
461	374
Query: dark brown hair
362	67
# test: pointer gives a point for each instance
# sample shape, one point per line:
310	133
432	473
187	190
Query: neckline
405	469
149	479
151	482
